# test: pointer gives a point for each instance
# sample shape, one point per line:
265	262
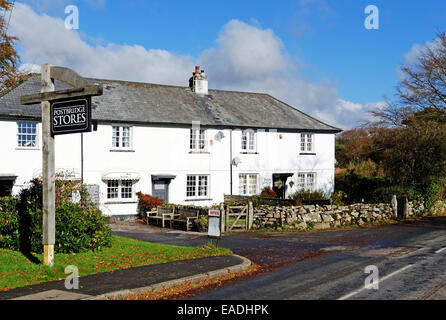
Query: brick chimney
199	81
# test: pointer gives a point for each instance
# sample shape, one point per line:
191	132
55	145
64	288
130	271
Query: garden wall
327	216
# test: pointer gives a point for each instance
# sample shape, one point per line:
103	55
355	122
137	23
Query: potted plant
202	223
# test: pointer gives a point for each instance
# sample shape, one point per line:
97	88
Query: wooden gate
237	217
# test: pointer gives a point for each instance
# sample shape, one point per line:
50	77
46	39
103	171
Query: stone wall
327	216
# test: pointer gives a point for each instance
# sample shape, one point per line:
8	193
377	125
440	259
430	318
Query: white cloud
245	58
411	57
244	52
349	113
30	68
61	46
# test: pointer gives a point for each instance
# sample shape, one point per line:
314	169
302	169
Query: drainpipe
82	158
230	154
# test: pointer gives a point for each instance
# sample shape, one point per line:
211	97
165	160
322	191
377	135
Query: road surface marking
440	250
380	280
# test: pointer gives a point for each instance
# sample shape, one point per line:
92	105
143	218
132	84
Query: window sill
249	152
121	150
121	202
199	152
199	199
30	148
307	153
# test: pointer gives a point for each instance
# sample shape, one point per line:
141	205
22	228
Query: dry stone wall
327	216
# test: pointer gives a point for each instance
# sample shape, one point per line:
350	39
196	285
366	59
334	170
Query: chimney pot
199	81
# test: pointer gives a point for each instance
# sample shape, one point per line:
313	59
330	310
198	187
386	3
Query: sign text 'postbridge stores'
71	116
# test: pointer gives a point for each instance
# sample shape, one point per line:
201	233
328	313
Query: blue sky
321	47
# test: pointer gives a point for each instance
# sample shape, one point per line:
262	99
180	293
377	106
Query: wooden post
226	219
48	172
394	204
406	208
223	219
250	215
82	88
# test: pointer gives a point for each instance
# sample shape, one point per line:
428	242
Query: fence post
406	208
250	215
394	205
226	220
223	217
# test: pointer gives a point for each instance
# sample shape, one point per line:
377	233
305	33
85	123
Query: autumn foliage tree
365	150
9	58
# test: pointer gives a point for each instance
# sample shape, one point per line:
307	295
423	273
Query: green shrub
80	229
147	202
310	225
385	194
80	226
267	192
361	189
202	223
9	223
339	198
306	195
432	195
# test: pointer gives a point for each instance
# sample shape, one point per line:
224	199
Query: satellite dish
219	135
236	161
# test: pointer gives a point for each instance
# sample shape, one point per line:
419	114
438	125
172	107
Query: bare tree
424	83
422	91
391	115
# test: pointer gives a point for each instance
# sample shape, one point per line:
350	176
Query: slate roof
146	103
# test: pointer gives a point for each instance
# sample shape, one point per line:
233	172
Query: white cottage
186	145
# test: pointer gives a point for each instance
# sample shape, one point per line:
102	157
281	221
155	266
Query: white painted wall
165	150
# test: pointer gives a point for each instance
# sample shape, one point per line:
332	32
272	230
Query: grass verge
16	270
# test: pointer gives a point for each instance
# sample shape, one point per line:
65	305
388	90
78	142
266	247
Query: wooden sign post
67	98
48	173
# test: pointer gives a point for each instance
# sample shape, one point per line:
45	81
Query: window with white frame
307	142
306	181
197	186
248	184
119	189
249	143
197	140
26	134
121	137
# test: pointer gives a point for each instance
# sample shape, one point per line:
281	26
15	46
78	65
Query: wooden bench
162	213
187	217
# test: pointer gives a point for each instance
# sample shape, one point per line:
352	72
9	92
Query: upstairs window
121	137
306	181
307	142
26	134
249	143
197	140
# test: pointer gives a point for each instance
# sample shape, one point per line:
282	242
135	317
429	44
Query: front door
279	184
6	187
160	189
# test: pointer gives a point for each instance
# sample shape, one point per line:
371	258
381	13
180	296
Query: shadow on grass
31	257
27	221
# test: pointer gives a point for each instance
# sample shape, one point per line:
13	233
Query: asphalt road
410	258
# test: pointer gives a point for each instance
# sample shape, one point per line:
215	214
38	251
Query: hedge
80	226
